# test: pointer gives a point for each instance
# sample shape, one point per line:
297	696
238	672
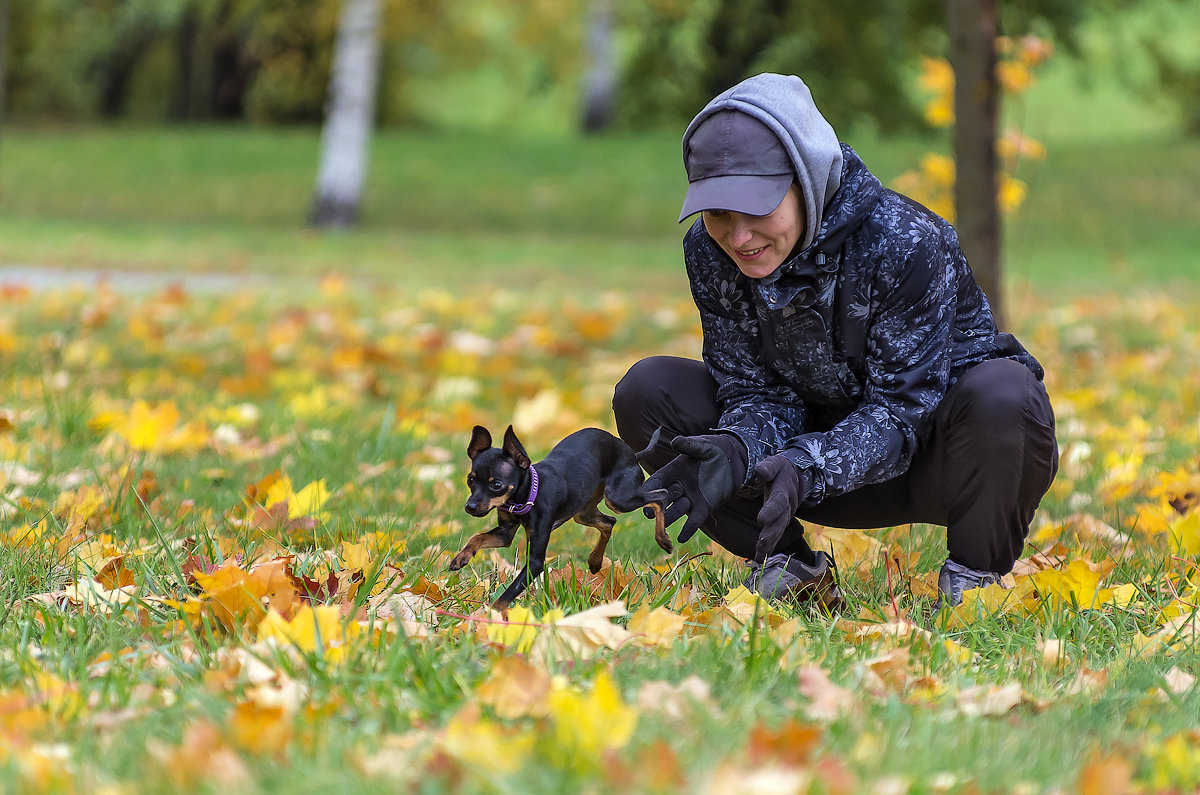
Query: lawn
227	515
1105	211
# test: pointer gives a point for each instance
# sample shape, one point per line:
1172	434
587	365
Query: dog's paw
459	561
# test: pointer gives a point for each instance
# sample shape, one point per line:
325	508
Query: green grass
1102	260
1112	206
122	700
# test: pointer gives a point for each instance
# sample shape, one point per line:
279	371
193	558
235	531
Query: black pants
981	471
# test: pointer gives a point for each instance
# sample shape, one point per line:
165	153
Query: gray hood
785	105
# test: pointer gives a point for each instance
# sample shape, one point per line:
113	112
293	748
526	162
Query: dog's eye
496	486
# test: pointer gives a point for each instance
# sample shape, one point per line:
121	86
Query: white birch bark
349	116
600	77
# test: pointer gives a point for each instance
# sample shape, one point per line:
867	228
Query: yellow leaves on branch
932	183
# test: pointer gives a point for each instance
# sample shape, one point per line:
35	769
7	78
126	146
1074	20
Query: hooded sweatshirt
839	358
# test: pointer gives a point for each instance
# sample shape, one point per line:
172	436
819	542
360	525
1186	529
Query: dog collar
527	506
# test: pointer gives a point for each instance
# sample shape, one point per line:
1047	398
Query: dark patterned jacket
839	361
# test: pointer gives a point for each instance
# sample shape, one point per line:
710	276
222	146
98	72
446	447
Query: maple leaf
232	594
989	699
827	701
520	629
581	635
201	756
1185	535
260	728
657	627
313	629
483	746
676	703
1105	774
516	688
587	725
791	743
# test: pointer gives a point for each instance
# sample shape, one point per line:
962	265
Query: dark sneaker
954	578
783	576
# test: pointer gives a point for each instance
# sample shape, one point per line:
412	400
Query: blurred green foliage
520	63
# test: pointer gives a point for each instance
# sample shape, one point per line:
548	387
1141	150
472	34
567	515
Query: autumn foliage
226	524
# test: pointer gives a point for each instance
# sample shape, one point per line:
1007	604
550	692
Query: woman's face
758	244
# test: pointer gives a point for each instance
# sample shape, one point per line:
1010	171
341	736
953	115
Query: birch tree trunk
349	116
600	77
972	25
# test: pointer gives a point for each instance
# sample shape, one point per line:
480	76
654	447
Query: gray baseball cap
735	162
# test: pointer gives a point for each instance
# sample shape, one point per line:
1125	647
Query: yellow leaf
312	629
1185	535
588	725
308	501
519	630
479	744
516	689
658	627
260	729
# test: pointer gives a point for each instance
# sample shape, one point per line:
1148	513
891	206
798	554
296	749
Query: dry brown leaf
989	699
1105	775
826	701
674	702
516	688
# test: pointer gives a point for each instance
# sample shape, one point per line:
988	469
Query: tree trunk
600	79
350	114
972	26
4	19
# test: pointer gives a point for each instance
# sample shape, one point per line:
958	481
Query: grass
368	391
1106	209
137	433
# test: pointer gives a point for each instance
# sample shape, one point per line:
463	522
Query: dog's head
495	471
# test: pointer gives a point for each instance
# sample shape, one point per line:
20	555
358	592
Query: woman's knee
1001	404
670	392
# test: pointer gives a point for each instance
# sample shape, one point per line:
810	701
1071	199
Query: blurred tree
972	26
852	55
600	75
4	21
351	114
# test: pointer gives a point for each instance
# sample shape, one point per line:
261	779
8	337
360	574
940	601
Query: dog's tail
651	444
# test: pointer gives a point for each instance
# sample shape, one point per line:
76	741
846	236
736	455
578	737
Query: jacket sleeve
761	411
908	366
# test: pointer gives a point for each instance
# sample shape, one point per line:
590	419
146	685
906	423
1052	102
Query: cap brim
752	195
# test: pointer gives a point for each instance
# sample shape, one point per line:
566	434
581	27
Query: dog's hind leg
626	493
590	515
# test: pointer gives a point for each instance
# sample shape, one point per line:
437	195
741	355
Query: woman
852	372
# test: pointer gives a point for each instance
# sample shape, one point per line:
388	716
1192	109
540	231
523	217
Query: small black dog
568	483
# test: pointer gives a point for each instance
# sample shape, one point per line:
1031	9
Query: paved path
42	278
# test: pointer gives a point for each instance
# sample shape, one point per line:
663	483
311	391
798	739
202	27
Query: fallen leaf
516	688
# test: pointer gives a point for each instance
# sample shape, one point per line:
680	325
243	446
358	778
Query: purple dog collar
526	507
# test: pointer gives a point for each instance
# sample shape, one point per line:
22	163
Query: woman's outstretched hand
705	474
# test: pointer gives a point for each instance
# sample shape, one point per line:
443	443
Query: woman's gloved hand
706	473
784	487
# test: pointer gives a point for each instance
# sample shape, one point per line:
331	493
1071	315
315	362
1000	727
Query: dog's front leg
498	537
539	540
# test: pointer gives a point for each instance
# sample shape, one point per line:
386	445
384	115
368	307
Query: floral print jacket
839	359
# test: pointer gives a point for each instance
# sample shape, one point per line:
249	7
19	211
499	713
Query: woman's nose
739	230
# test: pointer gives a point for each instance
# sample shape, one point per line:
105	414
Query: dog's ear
480	441
514	450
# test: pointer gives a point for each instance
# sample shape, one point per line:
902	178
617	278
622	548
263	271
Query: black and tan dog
585	467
